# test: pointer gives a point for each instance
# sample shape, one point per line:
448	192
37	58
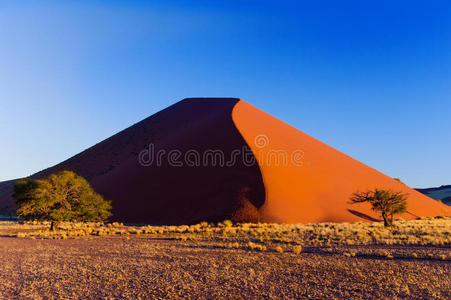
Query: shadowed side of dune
178	192
174	193
7	206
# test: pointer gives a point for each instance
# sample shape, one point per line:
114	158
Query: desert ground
328	260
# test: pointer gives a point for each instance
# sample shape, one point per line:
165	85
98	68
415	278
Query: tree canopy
63	196
387	202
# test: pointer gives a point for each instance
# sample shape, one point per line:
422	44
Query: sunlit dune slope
316	183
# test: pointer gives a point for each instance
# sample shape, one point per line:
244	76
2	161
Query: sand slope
316	188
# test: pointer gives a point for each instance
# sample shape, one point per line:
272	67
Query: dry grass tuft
424	232
297	249
279	249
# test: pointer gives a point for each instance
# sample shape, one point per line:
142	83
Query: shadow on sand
363	216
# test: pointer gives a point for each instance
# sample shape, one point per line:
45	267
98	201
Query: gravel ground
149	267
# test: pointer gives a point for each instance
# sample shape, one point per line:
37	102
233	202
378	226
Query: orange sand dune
315	188
316	184
167	193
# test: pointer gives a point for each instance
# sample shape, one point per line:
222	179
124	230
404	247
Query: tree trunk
386	222
53	225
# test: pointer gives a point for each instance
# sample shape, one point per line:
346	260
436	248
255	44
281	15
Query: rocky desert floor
223	261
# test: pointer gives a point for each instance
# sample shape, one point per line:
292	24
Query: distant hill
442	193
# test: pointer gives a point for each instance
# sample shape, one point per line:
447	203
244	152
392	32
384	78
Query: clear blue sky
370	78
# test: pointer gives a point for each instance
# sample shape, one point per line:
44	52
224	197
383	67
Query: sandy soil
150	267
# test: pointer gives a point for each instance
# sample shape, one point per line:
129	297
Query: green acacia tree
63	196
386	202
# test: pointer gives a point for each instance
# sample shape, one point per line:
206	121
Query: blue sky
370	78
